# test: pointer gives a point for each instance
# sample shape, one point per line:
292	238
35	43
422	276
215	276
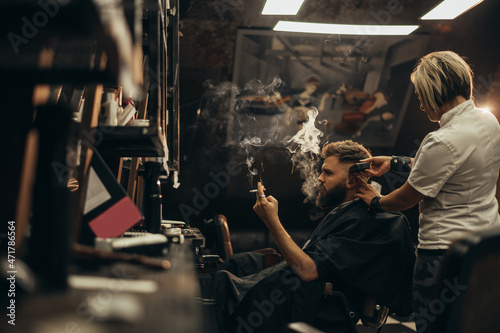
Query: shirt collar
446	117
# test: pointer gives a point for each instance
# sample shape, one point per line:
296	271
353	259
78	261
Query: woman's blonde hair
441	76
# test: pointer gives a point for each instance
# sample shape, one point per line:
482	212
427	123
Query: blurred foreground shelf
71	41
129	141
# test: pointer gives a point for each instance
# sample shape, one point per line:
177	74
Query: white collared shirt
456	168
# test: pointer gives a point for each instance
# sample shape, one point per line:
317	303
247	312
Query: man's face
333	179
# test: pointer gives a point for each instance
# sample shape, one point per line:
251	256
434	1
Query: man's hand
299	261
379	165
266	207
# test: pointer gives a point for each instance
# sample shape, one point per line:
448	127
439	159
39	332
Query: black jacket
361	253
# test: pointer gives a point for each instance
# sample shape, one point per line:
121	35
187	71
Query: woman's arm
403	198
379	165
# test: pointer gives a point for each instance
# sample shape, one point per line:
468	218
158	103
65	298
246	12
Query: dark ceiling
247	13
209	28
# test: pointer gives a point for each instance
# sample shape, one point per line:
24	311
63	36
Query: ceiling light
450	9
282	7
344	29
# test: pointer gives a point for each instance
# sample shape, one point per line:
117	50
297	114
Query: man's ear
351	181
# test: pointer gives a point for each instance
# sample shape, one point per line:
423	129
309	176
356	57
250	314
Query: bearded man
358	252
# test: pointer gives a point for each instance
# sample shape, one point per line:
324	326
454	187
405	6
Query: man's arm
267	209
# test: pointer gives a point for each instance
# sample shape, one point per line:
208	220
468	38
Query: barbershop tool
359	167
89	253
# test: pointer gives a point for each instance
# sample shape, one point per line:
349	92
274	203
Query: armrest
271	257
267	250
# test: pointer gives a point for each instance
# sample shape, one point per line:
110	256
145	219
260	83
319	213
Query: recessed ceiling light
282	7
450	9
344	29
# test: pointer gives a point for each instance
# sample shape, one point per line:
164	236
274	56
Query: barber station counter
118	297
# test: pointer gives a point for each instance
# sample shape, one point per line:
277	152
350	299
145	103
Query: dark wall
207	54
473	36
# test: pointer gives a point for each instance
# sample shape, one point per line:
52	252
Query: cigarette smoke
305	149
245	133
238	107
248	145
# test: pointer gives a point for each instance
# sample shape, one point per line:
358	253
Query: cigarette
253	191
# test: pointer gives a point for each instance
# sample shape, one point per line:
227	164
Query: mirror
359	84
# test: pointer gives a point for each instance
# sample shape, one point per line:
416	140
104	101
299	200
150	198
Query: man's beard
333	198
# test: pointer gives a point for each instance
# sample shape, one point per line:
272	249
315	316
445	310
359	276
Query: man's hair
347	151
441	76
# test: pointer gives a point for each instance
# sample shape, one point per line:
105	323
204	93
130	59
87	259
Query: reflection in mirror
359	84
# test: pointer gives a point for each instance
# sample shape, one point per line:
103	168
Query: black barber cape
361	253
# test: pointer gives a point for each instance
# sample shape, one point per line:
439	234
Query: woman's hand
366	192
379	165
266	207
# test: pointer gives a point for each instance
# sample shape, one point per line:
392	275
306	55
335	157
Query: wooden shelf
62	43
129	141
76	51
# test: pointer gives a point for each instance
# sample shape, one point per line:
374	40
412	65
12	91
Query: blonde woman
453	175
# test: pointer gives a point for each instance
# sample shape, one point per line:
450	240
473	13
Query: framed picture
360	85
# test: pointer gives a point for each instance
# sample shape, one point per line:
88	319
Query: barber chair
371	315
374	315
218	237
472	261
218	241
